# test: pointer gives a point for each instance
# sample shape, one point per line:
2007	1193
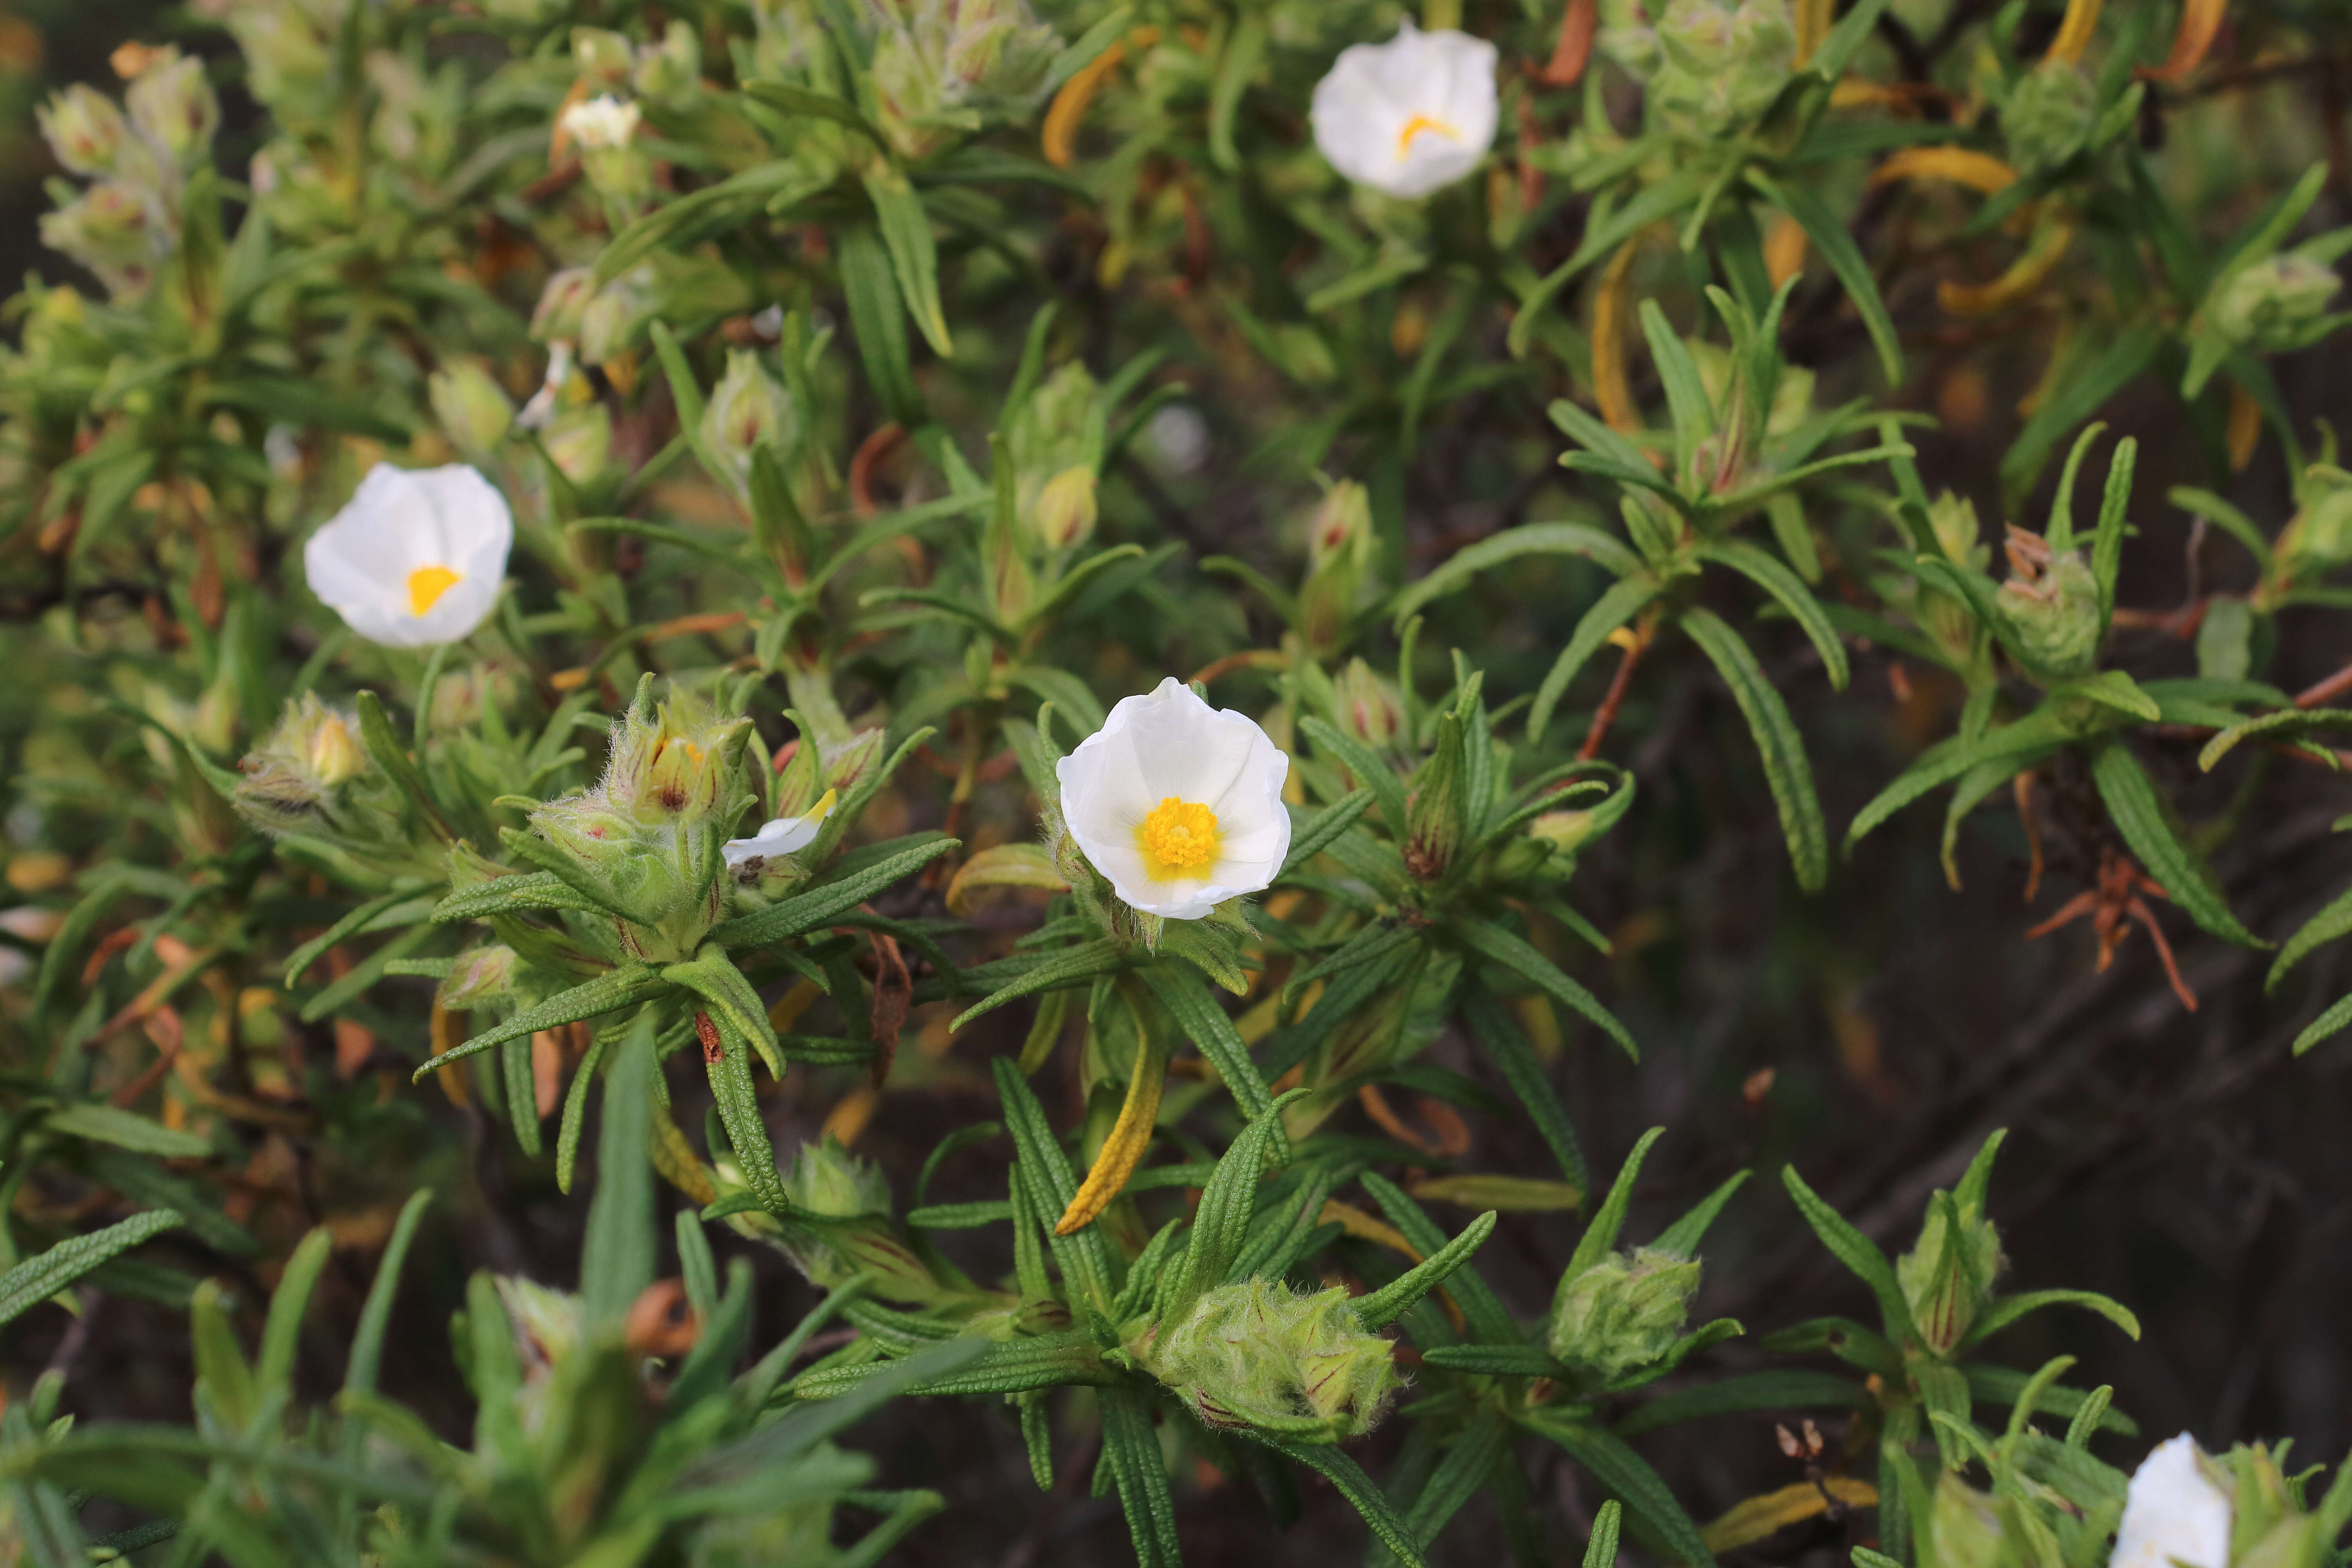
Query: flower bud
617	315
1260	1354
1055	440
604	58
1948	1278
471	406
1368	708
942	66
1437	814
1720	65
173	106
1623	1313
578	441
1338	553
477	977
288	46
86	130
1065	509
673	68
1958	532
561	304
2320	535
748	409
117	231
1965	1525
2272	305
826	1179
313	775
2049	116
2053	604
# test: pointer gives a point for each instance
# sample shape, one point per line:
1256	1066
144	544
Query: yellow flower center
426	584
1419	123
1178	839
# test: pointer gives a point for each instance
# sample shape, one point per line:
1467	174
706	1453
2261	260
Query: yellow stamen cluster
1178	839
1420	123
425	586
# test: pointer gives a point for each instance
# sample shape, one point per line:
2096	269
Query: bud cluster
127	223
1623	1313
1260	1354
945	67
1712	67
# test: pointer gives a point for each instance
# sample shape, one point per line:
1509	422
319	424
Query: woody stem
1607	714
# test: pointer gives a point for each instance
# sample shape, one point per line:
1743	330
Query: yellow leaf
1760	1516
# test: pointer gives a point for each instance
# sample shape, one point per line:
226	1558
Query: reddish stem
1607	715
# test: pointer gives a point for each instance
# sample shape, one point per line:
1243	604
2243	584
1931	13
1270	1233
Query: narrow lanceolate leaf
1601	1233
2009	1308
1131	1135
1336	1465
877	319
1507	1047
1624	600
1600	1550
711	976
907	234
1088	959
2327	1026
607	992
2107	543
1221	1222
385	749
1492	941
1312	833
38	1277
1131	1448
1626	1474
2031	737
1776	743
1182	990
1370	772
396	908
2139	816
1045	1185
508	896
616	1256
1793	597
1495	1361
1854	1249
806	911
125	1129
1384	1306
1837	248
727	1057
1534	539
1489	1318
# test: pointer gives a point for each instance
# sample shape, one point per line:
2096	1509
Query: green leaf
1222	1222
396	908
1684	1236
1244	52
1621	601
2009	1308
2140	816
2077	395
1749	1394
804	911
907	234
1844	257
1368	1502
527	893
1485	1314
1370	772
878	318
1492	941
1856	1250
1600	1550
334	997
125	1129
1180	991
1790	591
1534	539
1311	834
2328	1024
281	1331
1781	748
40	1277
2023	742
1131	1449
1495	1361
616	1257
385	749
1507	1046
1687	399
714	978
739	1113
1600	1236
1377	1309
2107	544
1050	1185
608	992
375	1315
1104	955
1626	1474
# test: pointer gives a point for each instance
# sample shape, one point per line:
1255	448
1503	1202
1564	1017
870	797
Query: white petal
2173	1513
396	523
1373	93
1170	742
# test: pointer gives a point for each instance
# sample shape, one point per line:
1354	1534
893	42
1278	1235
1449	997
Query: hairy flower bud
673	68
1338	553
1437	814
826	1179
942	66
1623	1313
117	230
478	977
562	303
2272	305
1948	1278
1368	707
617	315
2053	604
1259	1353
87	132
2049	116
471	406
578	441
1958	533
313	776
1055	440
748	410
173	106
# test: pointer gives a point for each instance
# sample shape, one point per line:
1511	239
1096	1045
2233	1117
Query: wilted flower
1260	1354
604	122
416	557
1178	804
540	409
1409	116
783	836
2175	1512
616	315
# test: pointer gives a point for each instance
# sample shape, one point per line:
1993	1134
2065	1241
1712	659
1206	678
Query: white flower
1410	115
601	122
2174	1512
1177	803
416	557
783	836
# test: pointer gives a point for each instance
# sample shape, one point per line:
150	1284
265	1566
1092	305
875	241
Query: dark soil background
2181	1162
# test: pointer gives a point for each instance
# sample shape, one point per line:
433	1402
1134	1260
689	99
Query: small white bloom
1410	115
1177	803
2174	1513
416	557
601	122
783	836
